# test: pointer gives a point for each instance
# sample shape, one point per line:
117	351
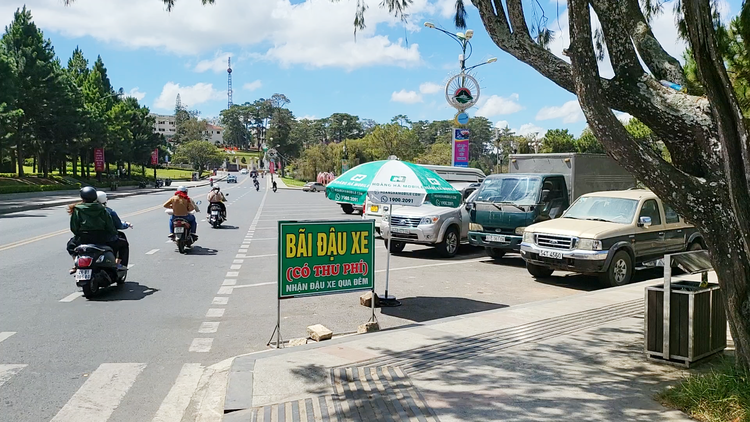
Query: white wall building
164	125
215	134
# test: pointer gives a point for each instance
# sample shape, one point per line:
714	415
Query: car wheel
620	271
695	246
348	208
538	271
313	190
495	253
449	246
396	245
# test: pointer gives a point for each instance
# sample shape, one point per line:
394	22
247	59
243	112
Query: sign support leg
389	300
277	330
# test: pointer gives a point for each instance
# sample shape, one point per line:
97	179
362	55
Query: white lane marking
229	282
215	313
4	335
265	238
220	300
235	267
201	345
245	246
233	274
242	251
71	297
100	395
152	251
208	327
238	261
131	266
255	285
169	241
261	256
202	221
440	264
224	290
241	255
7	372
173	407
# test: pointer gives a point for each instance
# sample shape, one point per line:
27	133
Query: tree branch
622	54
517	19
733	134
664	179
659	62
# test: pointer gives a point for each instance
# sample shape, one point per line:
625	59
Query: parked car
608	234
243	171
462	175
538	187
314	187
231	179
443	227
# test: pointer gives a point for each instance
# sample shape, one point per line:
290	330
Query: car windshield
598	208
521	190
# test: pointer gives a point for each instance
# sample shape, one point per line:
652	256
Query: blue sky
306	50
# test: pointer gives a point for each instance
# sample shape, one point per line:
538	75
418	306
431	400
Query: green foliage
436	154
558	140
199	154
723	394
588	144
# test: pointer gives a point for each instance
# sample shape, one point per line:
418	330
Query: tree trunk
74	160
33	164
19	157
128	169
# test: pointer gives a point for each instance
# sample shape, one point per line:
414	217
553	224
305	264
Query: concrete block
297	342
365	299
318	332
368	327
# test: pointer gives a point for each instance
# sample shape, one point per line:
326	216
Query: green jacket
91	217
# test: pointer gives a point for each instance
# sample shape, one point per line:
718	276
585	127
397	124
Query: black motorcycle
215	217
257	185
274	187
95	268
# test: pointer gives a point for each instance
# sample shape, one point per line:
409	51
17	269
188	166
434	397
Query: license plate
497	238
214	212
550	254
83	275
179	229
398	230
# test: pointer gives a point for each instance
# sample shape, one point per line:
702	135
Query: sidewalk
16	202
578	358
281	185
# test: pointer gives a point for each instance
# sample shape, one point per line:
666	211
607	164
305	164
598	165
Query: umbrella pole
388	300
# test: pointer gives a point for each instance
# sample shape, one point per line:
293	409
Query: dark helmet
88	194
216	188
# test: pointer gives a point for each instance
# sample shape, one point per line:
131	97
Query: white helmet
182	189
101	196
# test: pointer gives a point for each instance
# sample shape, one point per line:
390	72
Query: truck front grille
405	221
555	242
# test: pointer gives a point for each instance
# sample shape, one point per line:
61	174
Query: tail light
84	261
179	223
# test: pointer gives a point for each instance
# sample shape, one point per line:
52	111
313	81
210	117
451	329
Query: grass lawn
161	173
292	182
722	394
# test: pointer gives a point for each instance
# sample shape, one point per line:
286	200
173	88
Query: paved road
154	349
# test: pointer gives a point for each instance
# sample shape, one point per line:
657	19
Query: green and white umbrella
392	182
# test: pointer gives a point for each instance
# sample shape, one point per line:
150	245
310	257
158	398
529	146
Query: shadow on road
591	283
224	226
512	261
425	308
464	252
21	215
199	250
131	290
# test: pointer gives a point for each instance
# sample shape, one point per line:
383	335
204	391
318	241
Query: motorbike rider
90	223
181	206
211	181
274	186
120	239
215	196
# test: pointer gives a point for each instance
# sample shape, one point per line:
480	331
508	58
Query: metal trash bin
685	321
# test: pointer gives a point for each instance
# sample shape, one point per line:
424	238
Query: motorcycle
274	187
214	215
182	235
95	268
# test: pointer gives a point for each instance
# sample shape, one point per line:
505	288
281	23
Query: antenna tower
229	83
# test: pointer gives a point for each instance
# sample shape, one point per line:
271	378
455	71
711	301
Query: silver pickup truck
442	227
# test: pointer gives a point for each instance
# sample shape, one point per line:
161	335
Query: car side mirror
545	195
644	222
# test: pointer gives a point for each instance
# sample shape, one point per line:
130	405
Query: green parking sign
324	257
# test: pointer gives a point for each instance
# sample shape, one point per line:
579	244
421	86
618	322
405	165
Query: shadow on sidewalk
425	308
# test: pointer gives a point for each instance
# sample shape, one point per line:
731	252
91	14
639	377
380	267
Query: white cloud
138	95
406	97
190	96
497	106
430	88
569	112
502	124
277	30
623	117
525	129
218	64
307	117
252	86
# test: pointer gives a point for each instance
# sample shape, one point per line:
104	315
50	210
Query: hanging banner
325	257
272	167
98	159
460	148
155	157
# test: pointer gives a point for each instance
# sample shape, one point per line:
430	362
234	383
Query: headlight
476	227
374	208
528	237
519	230
589	244
432	219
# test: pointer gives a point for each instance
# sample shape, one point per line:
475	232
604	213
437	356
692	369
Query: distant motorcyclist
215	196
181	206
273	186
123	247
257	184
90	223
211	181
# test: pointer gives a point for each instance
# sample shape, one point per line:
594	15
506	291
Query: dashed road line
220	300
265	238
71	297
238	261
215	313
241	255
8	371
260	256
229	282
224	290
231	274
243	250
152	251
201	345
235	267
256	284
4	335
208	327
